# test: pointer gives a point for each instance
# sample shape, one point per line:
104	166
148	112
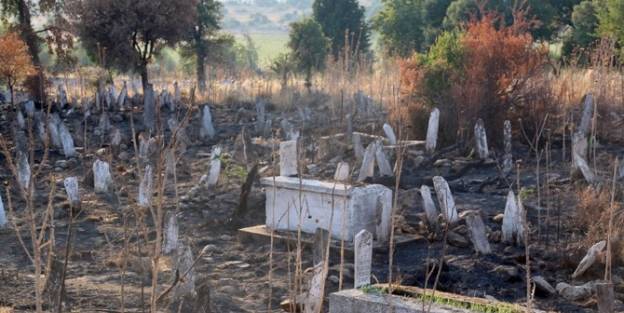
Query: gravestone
149	107
215	166
21	122
481	144
104	124
586	117
385	169
72	190
368	163
363	258
61	97
289	131
513	221
288	158
432	131
260	116
390	134
3	217
358	148
67	141
349	131
53	129
478	236
102	179
342	172
145	188
115	137
321	240
315	290
123	95
29	107
184	266
207	129
429	206
507	158
445	199
171	233
23	170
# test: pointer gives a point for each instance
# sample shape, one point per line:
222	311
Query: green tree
610	16
126	34
204	35
283	66
584	27
309	47
400	25
340	20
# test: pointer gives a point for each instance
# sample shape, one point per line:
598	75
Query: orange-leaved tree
15	62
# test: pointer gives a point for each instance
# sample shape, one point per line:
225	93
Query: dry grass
592	214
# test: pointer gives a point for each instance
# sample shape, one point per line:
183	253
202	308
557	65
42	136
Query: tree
15	62
340	20
400	25
309	47
283	66
204	34
584	27
126	34
610	15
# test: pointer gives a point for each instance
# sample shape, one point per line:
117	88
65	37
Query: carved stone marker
432	131
72	190
171	233
478	235
429	206
145	188
215	166
53	129
123	95
315	290
513	226
368	163
260	117
390	134
67	141
481	144
507	158
184	265
207	129
288	158
102	180
358	148
321	240
23	170
3	218
586	117
363	252
592	255
385	169
445	199
149	107
342	172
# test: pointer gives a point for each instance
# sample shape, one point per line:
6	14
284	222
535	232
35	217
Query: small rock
442	163
498	218
100	152
457	240
575	293
510	271
211	248
124	156
543	285
334	279
226	237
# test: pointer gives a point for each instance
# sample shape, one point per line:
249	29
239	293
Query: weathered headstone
321	240
149	107
53	129
342	172
207	129
104	123
145	188
102	179
586	117
23	170
481	144
385	169
445	199
184	266
349	131
368	163
513	228
215	166
116	137
390	134
478	236
592	255
123	95
3	217
315	290
288	158
67	141
363	252
72	190
61	96
171	233
507	158
29	107
260	116
579	156
432	130
358	148
429	206
21	122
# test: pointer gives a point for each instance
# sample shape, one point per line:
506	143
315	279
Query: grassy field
269	45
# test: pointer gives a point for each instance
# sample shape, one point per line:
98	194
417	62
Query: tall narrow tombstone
145	188
349	131
579	156
149	107
67	141
171	233
184	266
23	170
260	116
363	258
288	158
385	169
390	134
358	148
315	290
481	144
53	129
72	190
29	107
507	158
116	137
207	130
104	123
478	236
429	206
432	131
586	117
123	95
21	122
321	240
368	163
342	172
215	166
513	221
3	218
61	96
445	199
102	179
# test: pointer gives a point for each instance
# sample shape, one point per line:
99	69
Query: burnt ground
236	274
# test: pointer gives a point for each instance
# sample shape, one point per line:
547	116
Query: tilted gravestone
170	244
149	108
102	179
445	199
53	129
288	158
67	141
385	169
184	266
432	131
429	206
215	166
23	170
207	130
146	187
72	190
513	221
368	163
478	235
390	134
481	144
363	258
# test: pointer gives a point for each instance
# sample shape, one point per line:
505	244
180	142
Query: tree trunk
201	54
308	80
144	77
32	41
201	73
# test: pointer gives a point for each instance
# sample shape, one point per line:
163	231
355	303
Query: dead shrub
592	215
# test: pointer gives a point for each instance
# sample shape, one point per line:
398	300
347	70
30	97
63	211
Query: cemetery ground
110	260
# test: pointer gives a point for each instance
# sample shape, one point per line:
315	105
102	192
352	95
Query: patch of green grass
475	307
269	45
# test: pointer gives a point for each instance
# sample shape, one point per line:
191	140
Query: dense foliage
15	61
343	22
309	47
